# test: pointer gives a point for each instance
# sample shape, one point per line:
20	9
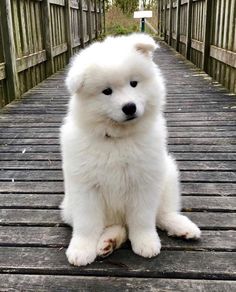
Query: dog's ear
75	76
145	44
74	83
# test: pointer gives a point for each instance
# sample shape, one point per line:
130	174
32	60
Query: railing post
189	28
89	21
207	35
104	16
177	25
81	24
170	22
100	16
9	50
164	27
159	17
68	30
48	37
96	18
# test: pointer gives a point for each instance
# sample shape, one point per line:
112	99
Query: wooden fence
37	38
204	31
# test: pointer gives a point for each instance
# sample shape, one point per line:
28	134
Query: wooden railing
204	32
38	37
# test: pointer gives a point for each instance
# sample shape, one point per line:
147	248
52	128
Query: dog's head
115	83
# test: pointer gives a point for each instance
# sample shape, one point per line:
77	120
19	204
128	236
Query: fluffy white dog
119	178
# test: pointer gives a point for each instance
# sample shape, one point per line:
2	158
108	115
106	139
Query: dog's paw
187	230
146	245
111	239
180	226
80	254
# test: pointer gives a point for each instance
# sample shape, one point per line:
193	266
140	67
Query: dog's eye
133	83
107	91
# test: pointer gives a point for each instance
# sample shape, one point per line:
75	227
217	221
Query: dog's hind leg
111	239
168	215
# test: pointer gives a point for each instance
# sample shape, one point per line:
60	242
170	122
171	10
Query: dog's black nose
129	108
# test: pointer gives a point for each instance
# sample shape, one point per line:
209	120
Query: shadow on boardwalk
201	121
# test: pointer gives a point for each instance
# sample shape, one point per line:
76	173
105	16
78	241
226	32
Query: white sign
142	14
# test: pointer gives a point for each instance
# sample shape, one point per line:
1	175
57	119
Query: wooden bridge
201	120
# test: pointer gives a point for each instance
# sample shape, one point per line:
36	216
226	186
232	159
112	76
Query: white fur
118	172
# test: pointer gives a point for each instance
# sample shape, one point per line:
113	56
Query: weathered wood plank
40	133
56	175
43	283
186	161
220	240
224	56
57	2
31	60
209	220
48	37
59	49
2	71
172	141
9	49
196	188
53	161
52	201
177	264
173	148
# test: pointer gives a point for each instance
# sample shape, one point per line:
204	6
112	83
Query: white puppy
119	177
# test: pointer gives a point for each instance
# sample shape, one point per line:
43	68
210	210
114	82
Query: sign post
142	14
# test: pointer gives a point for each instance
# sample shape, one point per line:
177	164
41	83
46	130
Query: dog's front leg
87	219
140	216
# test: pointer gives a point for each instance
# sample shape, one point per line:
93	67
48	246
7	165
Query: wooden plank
30	60
56	175
48	37
76	43
189	28
224	56
101	284
182	39
207	148
81	24
178	3
165	21
207	35
57	2
9	50
59	49
96	18
43	217
74	4
220	240
2	71
174	116
174	135
186	160
47	201
32	187
89	21
185	141
197	45
32	201
101	17
69	37
170	21
177	264
187	188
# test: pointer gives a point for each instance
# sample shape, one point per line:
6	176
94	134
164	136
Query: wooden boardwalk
201	120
